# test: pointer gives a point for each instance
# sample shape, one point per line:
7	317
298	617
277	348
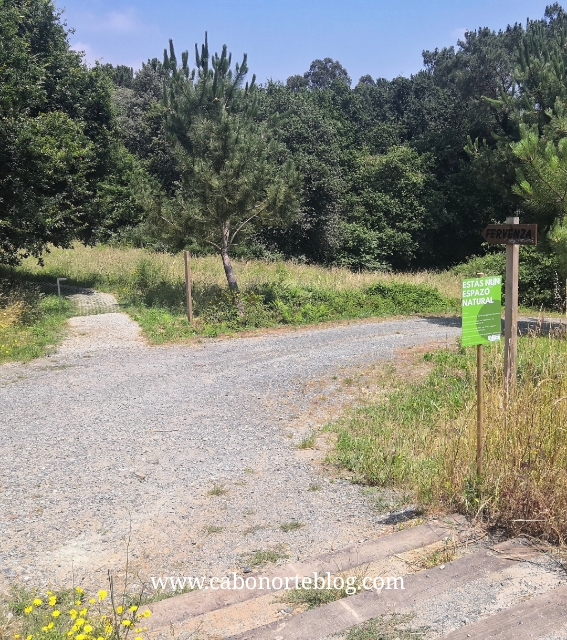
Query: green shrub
541	277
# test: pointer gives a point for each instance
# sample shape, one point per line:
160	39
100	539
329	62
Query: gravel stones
111	440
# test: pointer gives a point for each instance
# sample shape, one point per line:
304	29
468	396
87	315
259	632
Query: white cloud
459	34
90	57
119	22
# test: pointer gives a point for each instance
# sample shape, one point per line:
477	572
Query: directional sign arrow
510	234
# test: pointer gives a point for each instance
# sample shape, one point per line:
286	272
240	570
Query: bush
541	277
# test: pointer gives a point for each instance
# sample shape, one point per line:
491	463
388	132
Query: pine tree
234	174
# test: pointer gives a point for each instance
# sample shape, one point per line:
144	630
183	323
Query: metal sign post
481	310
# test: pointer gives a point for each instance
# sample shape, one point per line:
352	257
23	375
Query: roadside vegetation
73	614
421	438
151	287
31	324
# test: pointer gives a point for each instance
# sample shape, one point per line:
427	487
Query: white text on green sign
481	308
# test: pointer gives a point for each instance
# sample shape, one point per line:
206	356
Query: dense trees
234	176
381	169
63	173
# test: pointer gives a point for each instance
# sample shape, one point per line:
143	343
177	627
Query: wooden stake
511	315
479	410
188	288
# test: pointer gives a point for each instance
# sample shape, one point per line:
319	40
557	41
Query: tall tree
58	143
235	176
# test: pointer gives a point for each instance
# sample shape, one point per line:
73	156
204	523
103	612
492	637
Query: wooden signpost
188	287
512	234
481	312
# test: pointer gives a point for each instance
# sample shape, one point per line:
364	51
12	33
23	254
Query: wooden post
188	288
479	410
511	315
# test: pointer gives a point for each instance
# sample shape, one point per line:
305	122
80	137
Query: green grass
217	490
264	556
30	324
308	442
151	288
64	613
294	525
421	438
212	529
394	627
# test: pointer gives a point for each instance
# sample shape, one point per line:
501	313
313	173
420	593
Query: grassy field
421	438
151	288
30	324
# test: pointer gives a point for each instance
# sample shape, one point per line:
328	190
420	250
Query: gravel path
85	301
110	435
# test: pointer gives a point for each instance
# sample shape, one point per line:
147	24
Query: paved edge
186	606
533	618
420	587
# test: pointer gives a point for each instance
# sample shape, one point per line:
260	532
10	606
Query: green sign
481	305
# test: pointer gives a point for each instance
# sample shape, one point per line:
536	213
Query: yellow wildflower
28	609
92	601
52	601
44	629
79	590
29	638
83	612
102	595
49	593
73	613
37	602
133	608
126	623
87	628
50	625
147	613
69	633
81	636
79	623
119	609
17	636
56	613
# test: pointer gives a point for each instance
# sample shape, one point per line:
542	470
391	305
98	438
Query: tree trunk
229	272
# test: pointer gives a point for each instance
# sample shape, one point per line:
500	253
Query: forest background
379	175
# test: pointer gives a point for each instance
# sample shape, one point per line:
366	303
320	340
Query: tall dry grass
422	438
106	266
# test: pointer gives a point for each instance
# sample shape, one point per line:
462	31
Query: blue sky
382	38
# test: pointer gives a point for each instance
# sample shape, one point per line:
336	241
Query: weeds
217	490
30	323
308	442
151	285
294	525
312	597
253	529
394	627
263	556
212	529
420	439
71	614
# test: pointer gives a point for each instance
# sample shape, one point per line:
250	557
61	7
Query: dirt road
110	435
